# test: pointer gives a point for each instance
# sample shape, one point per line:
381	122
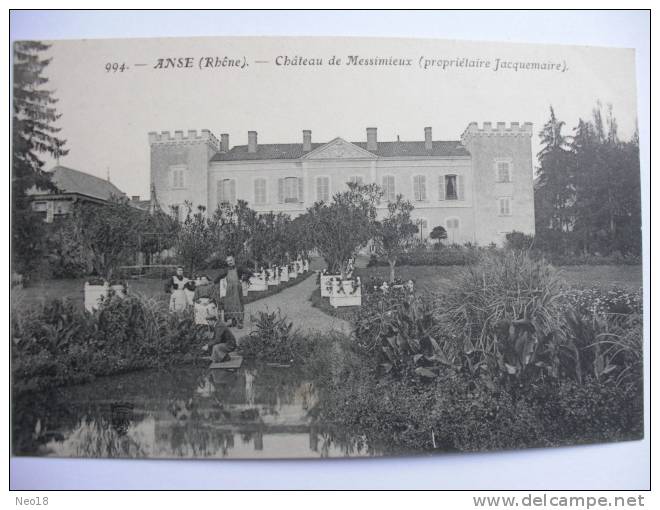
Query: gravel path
295	304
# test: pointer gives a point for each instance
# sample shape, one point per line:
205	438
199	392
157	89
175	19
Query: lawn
72	290
435	278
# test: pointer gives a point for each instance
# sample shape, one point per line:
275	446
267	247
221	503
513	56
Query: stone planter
284	274
293	273
258	283
94	295
345	295
325	292
273	278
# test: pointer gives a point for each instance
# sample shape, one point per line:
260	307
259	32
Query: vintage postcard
323	247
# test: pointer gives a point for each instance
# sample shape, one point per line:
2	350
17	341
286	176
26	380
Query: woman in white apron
176	287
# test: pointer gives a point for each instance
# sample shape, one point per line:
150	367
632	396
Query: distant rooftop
384	150
69	180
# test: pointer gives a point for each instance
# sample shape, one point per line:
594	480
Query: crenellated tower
503	182
179	167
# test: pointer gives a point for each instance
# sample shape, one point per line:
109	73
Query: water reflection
255	412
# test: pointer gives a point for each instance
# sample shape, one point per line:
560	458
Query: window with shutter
451	192
419	187
423	228
441	188
178	176
453	226
389	192
291	189
356	179
260	191
502	171
461	187
505	206
301	190
280	190
220	191
227	191
322	189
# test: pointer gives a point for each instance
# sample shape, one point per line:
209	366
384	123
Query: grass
72	290
435	278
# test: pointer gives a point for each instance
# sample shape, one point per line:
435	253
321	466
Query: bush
507	359
519	241
614	259
58	344
453	255
274	341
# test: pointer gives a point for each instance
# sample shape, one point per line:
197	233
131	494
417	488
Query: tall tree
341	227
33	134
554	194
396	232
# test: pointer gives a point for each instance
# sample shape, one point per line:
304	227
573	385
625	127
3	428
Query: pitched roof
69	180
385	150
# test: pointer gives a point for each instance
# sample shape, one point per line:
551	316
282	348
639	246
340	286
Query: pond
258	411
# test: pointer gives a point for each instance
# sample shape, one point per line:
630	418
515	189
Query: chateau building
479	187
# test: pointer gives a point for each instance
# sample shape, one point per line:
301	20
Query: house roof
69	180
385	150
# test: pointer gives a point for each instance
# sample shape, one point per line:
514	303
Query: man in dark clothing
222	341
233	300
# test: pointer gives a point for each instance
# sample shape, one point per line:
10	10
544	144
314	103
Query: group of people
218	304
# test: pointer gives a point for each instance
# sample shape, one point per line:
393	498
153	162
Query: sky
106	115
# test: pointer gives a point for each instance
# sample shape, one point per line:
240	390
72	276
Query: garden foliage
58	344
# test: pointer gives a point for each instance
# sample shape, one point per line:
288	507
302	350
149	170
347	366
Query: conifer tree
33	134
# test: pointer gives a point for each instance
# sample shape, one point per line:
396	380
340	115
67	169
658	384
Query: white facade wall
475	213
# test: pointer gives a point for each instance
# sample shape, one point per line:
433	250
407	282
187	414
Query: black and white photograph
315	247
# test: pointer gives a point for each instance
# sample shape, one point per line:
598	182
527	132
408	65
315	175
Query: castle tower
503	182
179	167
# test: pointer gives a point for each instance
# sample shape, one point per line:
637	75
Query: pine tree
34	133
554	193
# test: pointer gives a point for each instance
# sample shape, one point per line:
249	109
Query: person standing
233	300
176	287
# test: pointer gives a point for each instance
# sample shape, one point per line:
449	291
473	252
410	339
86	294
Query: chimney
372	140
252	141
428	139
307	140
224	142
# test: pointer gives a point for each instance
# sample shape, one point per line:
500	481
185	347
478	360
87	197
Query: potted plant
95	291
272	276
258	282
326	282
346	292
284	273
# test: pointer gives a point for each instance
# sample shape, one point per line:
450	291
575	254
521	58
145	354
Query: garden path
295	304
